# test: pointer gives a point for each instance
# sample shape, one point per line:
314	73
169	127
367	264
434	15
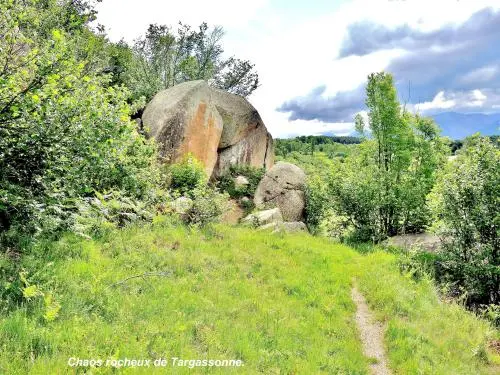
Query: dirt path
371	333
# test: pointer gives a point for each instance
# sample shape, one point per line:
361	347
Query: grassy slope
281	304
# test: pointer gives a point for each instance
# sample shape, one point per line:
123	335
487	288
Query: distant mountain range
460	125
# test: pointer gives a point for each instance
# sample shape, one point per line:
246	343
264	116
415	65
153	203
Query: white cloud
478	99
439	102
293	55
460	101
128	19
481	75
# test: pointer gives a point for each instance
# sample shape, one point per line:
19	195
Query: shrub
465	202
208	205
418	263
187	176
491	313
335	226
247	205
317	202
98	215
253	175
382	201
64	133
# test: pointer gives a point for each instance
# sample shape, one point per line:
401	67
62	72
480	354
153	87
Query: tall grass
279	303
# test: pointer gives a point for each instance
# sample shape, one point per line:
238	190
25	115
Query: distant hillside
331	146
460	125
327	139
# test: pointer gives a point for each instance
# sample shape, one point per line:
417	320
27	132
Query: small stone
260	218
181	205
240	182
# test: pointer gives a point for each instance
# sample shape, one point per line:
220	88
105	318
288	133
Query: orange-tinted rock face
201	138
217	128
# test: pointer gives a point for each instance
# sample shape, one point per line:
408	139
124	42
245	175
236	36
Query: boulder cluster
280	197
220	130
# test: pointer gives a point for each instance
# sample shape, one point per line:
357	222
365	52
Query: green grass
424	335
279	303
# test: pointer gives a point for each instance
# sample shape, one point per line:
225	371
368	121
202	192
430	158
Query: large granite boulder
283	187
218	128
184	119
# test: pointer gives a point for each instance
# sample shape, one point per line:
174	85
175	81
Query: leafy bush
64	133
418	263
317	202
491	313
382	188
247	205
254	175
335	226
187	175
208	205
188	178
96	216
465	202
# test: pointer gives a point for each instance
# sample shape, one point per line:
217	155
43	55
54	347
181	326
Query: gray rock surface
295	226
255	150
181	205
424	241
261	218
241	181
220	129
283	187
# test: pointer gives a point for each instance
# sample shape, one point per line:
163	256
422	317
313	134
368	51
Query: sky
313	57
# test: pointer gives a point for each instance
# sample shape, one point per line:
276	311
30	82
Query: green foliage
208	205
32	294
247	205
187	175
320	216
165	58
418	263
317	202
98	215
188	178
465	201
333	147
354	189
336	226
318	164
383	186
64	132
491	313
253	175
